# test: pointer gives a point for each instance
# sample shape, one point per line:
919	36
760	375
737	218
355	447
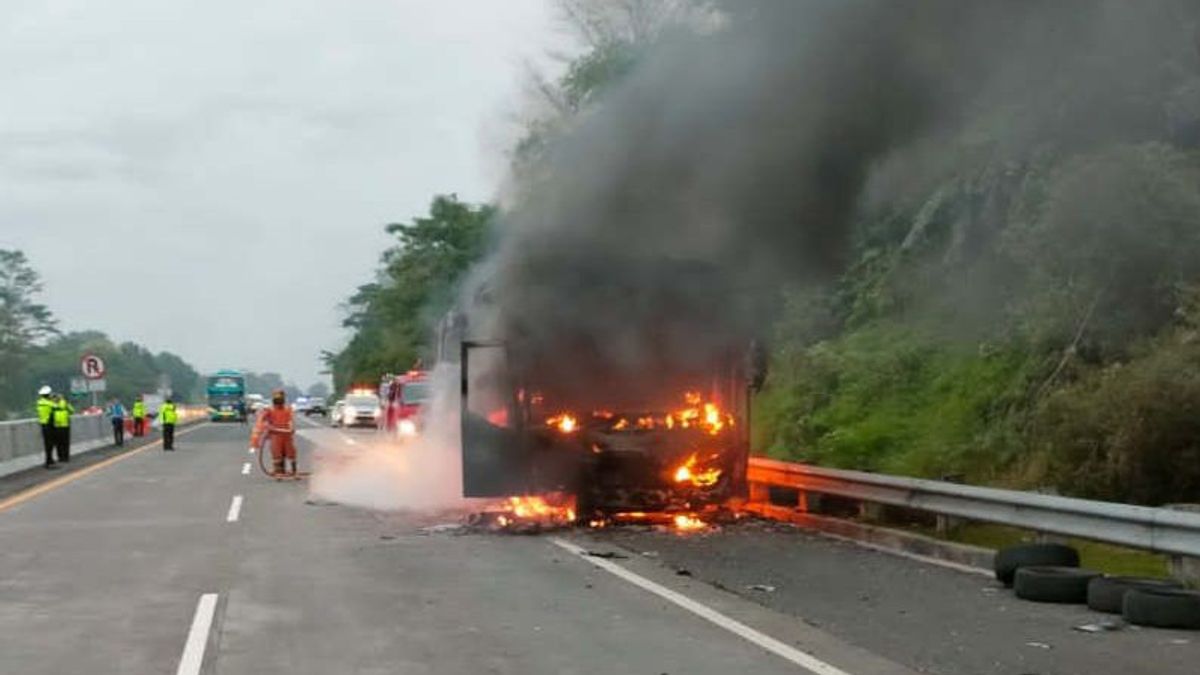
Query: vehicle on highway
336	412
255	402
403	398
315	406
361	409
619	439
227	396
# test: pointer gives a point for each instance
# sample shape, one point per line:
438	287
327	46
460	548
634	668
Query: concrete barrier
21	440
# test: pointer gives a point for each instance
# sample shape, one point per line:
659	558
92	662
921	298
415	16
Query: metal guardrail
1153	529
21	440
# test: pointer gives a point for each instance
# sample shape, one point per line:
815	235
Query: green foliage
23	321
589	75
890	398
391	318
1128	428
132	370
1117	232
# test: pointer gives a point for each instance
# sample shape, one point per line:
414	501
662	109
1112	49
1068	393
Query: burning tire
1107	594
1062	585
1013	558
1162	608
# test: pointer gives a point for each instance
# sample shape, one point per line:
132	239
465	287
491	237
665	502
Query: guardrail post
947	524
808	502
760	493
870	511
1184	568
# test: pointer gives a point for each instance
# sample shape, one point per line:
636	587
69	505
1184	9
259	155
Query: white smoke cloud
386	473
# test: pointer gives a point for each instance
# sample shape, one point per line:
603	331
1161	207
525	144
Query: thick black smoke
731	163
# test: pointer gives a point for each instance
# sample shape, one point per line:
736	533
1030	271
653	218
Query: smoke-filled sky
211	177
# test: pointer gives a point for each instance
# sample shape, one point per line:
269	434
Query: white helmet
44	391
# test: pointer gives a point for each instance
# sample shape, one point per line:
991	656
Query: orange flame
688	473
687	523
533	510
564	422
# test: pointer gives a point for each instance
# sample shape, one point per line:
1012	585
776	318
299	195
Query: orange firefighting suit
275	423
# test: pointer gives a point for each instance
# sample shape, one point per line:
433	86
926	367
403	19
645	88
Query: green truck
227	396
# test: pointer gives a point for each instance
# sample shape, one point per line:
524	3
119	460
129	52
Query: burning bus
663	430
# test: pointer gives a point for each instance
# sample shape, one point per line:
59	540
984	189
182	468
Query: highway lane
105	575
108	574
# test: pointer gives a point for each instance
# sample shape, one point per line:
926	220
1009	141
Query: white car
335	414
361	410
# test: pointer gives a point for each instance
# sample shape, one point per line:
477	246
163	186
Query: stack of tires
1051	573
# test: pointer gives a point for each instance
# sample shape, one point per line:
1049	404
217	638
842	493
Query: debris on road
607	555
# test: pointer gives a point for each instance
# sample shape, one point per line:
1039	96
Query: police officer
62	427
116	413
168	416
139	416
45	412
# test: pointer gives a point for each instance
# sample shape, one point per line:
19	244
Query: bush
1127	432
892	399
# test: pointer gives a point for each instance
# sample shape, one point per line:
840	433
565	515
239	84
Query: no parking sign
92	367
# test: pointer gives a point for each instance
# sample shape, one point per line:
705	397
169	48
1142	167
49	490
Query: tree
24	323
390	317
319	390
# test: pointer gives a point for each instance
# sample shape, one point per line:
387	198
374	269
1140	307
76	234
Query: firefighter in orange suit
276	425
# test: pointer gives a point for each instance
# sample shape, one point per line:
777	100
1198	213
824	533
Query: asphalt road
153	565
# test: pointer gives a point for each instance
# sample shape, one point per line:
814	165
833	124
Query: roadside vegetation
1021	303
34	352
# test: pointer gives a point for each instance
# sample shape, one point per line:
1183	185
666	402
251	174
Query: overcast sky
211	177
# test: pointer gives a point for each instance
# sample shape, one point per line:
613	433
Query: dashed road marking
246	469
784	651
235	509
197	639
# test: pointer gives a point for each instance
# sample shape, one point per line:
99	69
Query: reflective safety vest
45	406
168	414
62	414
139	409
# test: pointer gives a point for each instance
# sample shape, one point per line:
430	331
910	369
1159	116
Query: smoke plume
659	228
726	165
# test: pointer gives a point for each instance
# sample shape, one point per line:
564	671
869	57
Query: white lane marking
246	469
235	508
784	651
251	451
349	441
197	639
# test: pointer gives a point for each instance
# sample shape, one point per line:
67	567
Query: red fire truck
402	397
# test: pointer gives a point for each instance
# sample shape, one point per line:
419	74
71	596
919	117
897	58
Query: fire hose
262	465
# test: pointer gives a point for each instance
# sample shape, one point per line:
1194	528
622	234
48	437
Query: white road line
246	469
197	639
251	451
235	508
784	651
349	441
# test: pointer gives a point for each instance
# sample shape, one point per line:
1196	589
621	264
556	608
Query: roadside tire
1064	585
1107	594
1163	608
1009	560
